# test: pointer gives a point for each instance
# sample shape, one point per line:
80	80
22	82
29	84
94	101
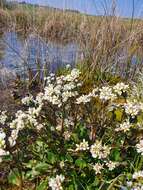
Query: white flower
111	165
55	100
138	175
58	89
72	76
60	80
39	98
34	111
56	183
2	139
83	99
68	94
132	108
49	79
124	126
97	150
19	121
98	167
27	100
69	86
120	87
106	94
82	146
12	141
87	98
140	147
13	137
3	117
49	90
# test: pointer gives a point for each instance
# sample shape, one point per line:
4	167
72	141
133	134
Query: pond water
17	54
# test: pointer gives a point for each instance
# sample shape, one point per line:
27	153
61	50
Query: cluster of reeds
109	44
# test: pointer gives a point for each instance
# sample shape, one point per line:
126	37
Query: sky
96	7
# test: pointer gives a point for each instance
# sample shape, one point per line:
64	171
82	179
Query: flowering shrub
65	139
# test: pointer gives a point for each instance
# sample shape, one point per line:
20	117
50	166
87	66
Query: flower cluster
99	150
59	89
27	100
56	183
83	99
87	98
112	165
99	167
132	108
110	93
82	146
106	93
120	88
22	120
124	126
60	119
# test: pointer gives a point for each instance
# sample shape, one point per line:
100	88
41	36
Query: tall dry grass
109	44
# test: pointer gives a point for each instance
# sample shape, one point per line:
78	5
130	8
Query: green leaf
7	158
74	179
14	177
116	155
83	131
69	158
75	137
80	163
52	158
96	181
119	114
43	185
31	174
71	187
41	167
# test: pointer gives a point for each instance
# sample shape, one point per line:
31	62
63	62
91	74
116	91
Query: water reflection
19	54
